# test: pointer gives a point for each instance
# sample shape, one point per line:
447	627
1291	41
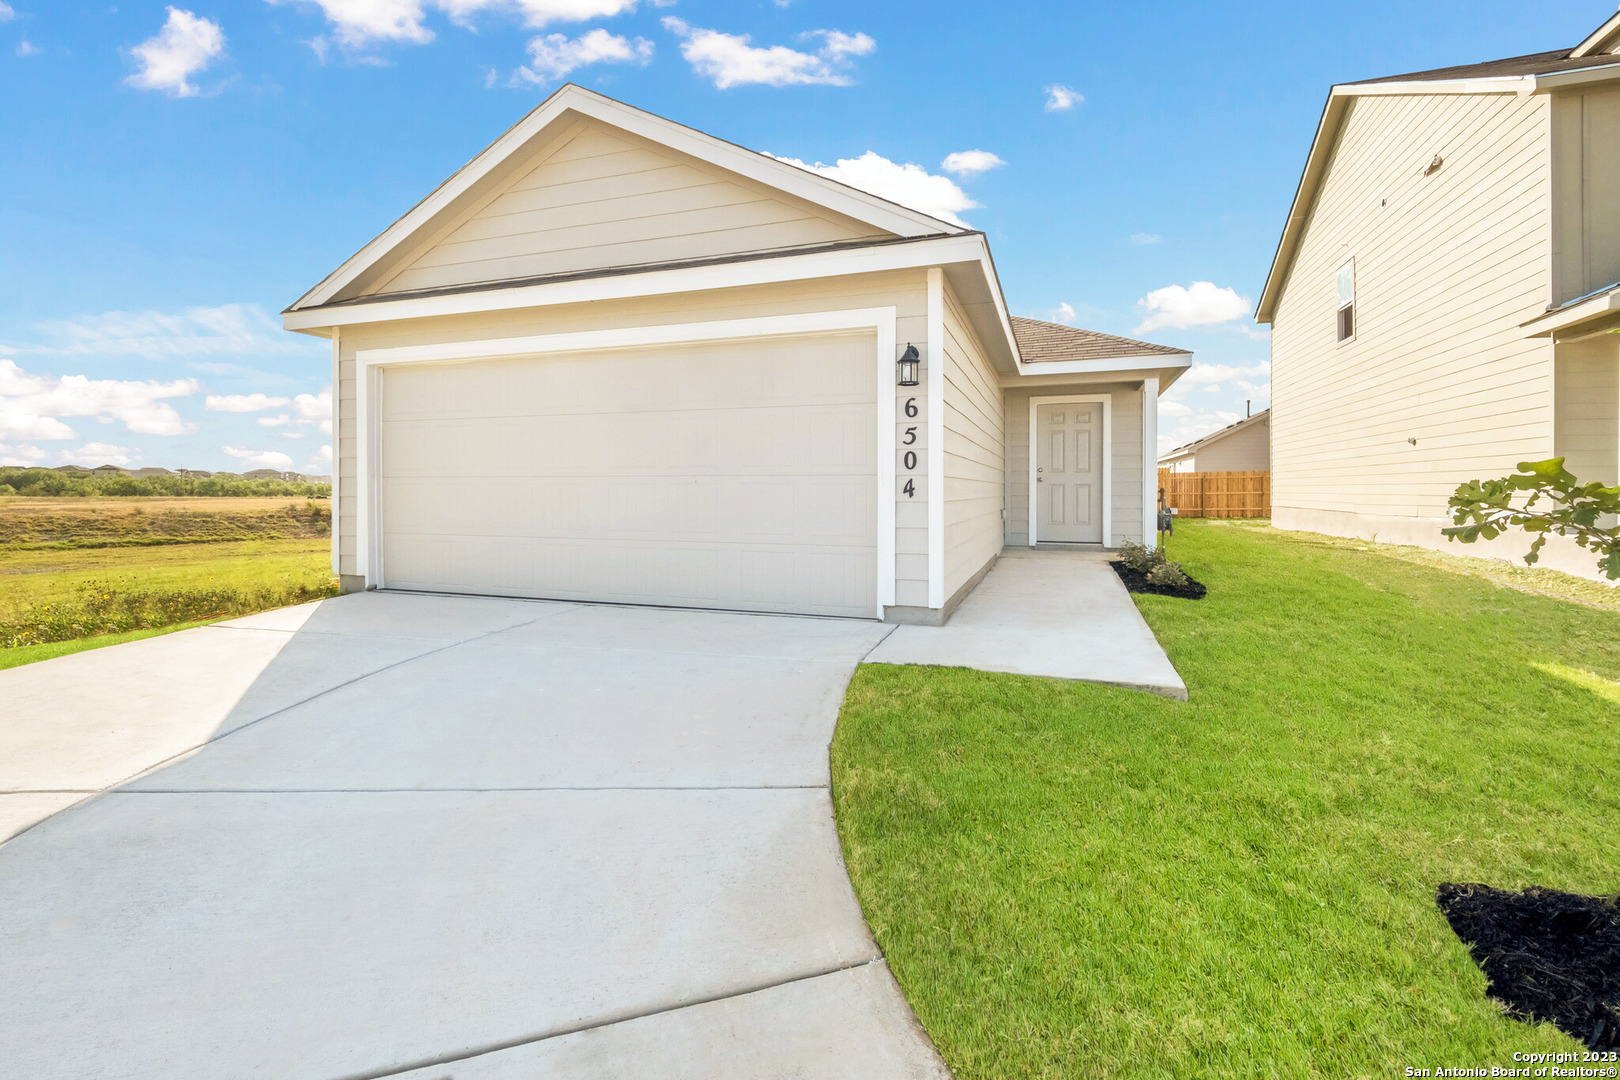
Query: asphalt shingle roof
1534	64
1045	342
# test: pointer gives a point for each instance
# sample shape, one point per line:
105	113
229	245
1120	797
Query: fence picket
1218	494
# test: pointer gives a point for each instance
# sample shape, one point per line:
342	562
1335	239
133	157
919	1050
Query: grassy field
79	573
1078	881
111	522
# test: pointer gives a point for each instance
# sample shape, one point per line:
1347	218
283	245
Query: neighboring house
70	469
193	474
617	359
109	470
142	474
1241	447
273	474
1443	294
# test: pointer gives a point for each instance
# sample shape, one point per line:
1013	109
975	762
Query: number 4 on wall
910	489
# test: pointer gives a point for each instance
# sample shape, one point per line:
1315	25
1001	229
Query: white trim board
1150	459
369	364
1107	401
840	198
934	423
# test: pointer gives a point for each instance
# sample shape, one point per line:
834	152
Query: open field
105	522
1078	881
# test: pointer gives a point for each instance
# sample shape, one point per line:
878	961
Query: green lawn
1077	881
65	599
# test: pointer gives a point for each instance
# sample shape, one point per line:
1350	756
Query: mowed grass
1077	881
32	577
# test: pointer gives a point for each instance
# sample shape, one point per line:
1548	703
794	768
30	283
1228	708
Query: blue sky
174	175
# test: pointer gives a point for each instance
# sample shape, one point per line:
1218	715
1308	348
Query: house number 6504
909	461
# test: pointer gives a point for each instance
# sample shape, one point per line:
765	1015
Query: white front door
1068	472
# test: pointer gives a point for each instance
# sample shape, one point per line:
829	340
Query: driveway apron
403	835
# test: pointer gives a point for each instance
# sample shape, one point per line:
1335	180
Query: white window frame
1107	401
370	363
1355	318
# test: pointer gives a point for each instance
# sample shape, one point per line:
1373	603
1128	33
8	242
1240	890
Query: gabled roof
1215	436
1590	56
1046	343
570	102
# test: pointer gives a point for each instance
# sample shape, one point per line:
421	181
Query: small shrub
1168	574
1139	557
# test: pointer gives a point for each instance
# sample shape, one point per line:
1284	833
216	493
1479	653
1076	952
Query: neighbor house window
1347	301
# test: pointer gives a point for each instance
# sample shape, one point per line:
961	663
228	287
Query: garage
738	475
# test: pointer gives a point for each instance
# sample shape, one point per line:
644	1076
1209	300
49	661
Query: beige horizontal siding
905	291
975	452
1241	451
1448	265
600	197
1126	476
1588	410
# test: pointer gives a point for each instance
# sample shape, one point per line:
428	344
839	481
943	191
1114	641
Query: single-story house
617	359
1241	447
1445	296
110	470
151	470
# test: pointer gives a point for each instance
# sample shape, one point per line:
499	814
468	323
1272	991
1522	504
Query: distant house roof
1046	342
1213	437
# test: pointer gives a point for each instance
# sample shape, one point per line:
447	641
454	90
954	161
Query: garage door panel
709	509
734	375
738	475
739	577
757	441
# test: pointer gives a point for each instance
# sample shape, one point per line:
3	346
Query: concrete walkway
395	835
1062	614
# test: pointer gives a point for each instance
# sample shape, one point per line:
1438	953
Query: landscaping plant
1486	509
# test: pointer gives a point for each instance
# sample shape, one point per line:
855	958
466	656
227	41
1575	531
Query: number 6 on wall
911	406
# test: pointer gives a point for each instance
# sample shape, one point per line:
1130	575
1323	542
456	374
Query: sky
173	175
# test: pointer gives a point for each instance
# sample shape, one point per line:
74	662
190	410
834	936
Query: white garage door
738	475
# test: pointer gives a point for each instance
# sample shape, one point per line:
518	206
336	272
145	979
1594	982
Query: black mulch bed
1136	581
1546	955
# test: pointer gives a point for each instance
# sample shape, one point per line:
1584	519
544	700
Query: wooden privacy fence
1217	494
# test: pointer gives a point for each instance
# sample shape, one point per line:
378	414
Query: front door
1068	472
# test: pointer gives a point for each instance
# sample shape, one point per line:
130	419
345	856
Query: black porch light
908	365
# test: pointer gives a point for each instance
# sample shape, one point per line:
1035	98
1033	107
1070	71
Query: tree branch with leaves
1558	504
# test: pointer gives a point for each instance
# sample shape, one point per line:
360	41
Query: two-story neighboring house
1445	298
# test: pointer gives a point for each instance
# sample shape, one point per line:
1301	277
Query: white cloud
20	454
243	403
228	329
291	434
1181	421
321	463
908	184
275	421
26	48
1201	304
92	454
553	56
362	24
314	410
1060	97
31	405
970	162
1063	313
729	60
7	12
1145	238
259	459
186	45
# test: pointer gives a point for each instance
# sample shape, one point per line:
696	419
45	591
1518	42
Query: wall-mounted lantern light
908	365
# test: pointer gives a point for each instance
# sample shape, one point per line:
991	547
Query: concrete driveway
396	835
